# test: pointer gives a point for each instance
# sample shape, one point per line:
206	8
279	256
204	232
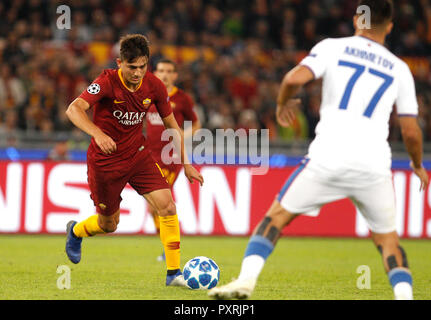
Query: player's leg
105	192
96	224
149	181
395	263
89	227
263	240
171	174
155	216
377	205
260	246
300	194
162	202
156	220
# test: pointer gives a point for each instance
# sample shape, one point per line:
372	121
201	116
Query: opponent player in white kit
350	156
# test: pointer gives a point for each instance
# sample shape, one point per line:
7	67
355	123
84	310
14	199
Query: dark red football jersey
182	106
120	113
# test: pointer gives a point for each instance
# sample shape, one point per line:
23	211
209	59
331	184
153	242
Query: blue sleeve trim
407	115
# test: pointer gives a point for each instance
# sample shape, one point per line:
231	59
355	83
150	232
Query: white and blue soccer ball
201	273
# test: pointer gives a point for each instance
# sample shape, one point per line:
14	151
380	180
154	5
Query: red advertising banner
41	197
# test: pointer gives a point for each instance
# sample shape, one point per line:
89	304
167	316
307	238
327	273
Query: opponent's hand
192	174
285	114
422	175
105	143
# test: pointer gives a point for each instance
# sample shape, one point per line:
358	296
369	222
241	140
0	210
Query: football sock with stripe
258	249
170	237
401	281
260	246
88	227
400	277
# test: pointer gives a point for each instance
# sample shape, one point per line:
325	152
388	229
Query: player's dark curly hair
381	10
133	46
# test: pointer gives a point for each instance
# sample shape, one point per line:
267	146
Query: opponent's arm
291	84
412	137
178	139
76	112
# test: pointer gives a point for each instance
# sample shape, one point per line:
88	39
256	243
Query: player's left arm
178	138
407	110
292	82
412	138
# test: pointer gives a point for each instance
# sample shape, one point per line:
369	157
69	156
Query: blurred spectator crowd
231	55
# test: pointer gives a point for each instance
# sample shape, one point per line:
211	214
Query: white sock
403	291
251	267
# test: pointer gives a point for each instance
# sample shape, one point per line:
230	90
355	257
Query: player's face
133	72
166	72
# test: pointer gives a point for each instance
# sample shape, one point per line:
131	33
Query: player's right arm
76	112
311	67
292	82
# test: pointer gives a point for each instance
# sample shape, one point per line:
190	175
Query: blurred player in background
350	156
60	152
118	153
182	106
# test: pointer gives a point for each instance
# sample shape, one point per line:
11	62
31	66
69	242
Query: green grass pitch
125	267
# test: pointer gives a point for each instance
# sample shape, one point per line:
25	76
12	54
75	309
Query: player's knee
167	208
279	216
171	208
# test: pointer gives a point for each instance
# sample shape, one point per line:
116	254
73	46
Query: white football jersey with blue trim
362	80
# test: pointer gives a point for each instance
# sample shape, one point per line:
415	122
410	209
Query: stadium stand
231	56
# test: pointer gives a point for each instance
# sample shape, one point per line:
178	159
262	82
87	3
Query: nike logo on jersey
146	101
116	101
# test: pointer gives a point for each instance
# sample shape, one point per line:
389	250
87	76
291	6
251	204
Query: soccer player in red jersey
119	154
182	106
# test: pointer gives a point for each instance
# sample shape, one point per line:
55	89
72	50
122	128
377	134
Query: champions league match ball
201	273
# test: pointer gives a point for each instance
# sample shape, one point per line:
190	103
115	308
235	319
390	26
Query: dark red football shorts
170	171
144	176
